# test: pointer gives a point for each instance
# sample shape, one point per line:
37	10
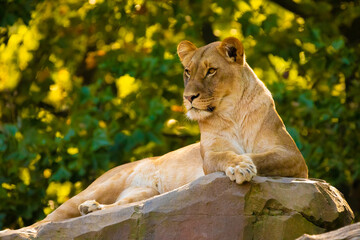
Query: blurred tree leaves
88	85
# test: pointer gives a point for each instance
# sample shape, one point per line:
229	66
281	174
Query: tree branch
207	33
292	7
51	109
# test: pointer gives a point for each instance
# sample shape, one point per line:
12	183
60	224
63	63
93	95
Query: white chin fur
197	115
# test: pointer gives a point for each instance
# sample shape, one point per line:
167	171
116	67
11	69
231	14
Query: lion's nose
191	97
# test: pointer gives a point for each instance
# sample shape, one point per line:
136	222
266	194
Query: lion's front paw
242	171
89	206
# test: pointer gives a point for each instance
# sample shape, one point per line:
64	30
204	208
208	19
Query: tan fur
134	182
241	132
241	135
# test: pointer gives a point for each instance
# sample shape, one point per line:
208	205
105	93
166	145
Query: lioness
241	135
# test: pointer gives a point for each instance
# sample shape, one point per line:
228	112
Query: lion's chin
197	115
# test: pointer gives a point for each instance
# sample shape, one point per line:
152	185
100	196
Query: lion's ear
233	50
184	49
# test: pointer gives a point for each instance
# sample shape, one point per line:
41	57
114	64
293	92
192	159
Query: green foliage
86	86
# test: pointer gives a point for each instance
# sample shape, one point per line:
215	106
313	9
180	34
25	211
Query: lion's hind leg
129	195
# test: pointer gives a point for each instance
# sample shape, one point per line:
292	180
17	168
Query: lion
241	135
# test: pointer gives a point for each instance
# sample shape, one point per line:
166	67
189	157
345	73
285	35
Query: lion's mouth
195	113
208	109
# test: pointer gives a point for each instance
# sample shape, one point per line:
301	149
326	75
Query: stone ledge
212	207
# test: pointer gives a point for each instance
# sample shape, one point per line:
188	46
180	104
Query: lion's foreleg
129	195
280	162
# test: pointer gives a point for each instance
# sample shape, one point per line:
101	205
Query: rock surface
351	232
212	207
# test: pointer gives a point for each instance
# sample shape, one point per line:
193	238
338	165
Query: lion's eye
211	71
187	72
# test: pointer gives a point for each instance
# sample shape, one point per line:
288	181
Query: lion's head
209	75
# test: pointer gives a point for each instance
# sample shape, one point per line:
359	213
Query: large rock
351	232
212	207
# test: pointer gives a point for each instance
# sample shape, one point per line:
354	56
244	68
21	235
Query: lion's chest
228	137
234	141
237	141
